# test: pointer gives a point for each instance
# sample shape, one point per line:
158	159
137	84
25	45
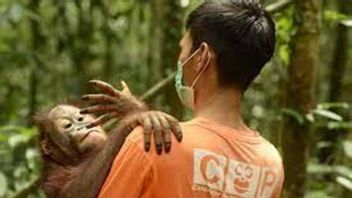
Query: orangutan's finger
105	87
158	135
175	126
130	125
147	128
99	98
125	88
102	120
166	132
98	109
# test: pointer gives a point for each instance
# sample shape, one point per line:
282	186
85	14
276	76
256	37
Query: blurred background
301	102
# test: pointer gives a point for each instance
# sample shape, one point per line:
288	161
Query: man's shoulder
136	137
271	151
138	133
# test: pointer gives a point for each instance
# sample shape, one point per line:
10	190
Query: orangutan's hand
160	124
111	103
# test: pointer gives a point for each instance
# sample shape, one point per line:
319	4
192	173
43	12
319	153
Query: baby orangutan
77	153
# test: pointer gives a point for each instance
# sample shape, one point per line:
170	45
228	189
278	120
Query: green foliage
331	119
48	51
20	160
3	184
331	16
285	29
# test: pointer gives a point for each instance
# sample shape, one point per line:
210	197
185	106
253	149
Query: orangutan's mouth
87	134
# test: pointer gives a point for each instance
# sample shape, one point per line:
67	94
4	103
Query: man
226	45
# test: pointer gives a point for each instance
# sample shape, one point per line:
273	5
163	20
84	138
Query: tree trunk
172	34
81	54
341	59
157	7
337	72
300	95
165	48
33	78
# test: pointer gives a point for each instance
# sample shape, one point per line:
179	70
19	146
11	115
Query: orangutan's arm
91	176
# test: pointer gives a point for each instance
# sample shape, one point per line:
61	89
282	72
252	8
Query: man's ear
205	56
44	145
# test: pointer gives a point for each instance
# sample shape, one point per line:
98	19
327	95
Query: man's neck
223	107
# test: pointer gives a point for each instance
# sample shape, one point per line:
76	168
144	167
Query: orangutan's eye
80	119
67	126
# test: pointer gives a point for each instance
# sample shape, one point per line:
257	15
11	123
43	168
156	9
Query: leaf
347	147
185	3
294	114
284	54
3	184
16	12
344	182
310	117
344	171
333	16
341	105
339	125
31	156
328	114
324	144
16	140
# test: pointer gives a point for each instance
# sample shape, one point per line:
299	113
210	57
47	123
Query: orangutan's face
70	128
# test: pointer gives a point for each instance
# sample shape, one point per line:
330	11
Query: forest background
301	102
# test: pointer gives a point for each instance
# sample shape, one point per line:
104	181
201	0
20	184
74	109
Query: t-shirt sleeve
278	189
129	173
281	184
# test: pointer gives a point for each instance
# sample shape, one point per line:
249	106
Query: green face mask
186	93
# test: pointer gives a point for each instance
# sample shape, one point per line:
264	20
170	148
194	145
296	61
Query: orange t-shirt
213	160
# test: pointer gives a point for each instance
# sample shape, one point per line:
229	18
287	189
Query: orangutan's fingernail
84	98
159	149
168	147
147	147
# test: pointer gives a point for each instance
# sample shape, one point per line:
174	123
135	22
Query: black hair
240	32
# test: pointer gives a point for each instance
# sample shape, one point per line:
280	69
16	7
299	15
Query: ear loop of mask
189	58
201	72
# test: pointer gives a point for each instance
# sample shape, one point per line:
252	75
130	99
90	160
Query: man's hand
111	103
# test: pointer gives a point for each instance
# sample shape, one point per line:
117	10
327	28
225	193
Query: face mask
186	93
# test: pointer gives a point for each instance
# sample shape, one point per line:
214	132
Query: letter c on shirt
206	161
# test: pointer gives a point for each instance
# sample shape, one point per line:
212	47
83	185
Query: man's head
233	38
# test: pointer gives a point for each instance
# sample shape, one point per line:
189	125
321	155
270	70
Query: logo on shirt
219	175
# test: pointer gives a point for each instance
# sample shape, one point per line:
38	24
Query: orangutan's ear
44	145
